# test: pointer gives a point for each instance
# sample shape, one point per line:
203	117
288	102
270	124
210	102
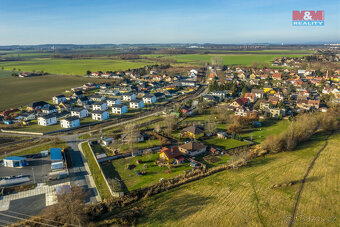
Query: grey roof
118	106
48	116
98	103
73	118
98	111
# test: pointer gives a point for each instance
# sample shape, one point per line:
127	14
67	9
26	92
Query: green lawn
141	145
34	127
73	66
269	127
37	149
153	172
98	177
224	143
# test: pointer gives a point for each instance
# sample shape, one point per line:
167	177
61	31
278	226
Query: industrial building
56	159
15	162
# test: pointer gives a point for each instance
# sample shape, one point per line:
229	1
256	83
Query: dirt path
293	216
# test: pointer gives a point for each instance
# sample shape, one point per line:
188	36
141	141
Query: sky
24	22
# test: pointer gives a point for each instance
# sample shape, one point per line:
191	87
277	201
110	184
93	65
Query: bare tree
157	128
132	133
211	127
170	122
70	208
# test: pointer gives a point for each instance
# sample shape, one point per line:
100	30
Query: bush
302	129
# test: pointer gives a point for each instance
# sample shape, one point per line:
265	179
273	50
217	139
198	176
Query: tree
170	122
132	133
70	208
210	127
217	61
157	128
234	128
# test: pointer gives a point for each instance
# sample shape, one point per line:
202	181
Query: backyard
153	172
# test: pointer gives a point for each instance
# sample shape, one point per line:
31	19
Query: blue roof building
56	155
14	161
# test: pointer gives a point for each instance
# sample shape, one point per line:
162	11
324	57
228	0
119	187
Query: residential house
222	135
171	155
264	105
100	115
27	116
240	102
192	132
37	105
110	102
82	101
79	112
119	109
78	94
129	97
277	76
250	96
267	88
49	109
159	95
209	98
149	99
70	122
187	83
302	104
242	111
314	103
99	106
192	148
273	100
140	137
259	93
47	119
97	98
136	104
220	94
276	112
58	99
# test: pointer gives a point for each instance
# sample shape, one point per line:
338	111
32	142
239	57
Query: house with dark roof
110	101
58	99
149	99
49	109
192	132
192	148
99	106
70	122
37	105
47	119
136	104
79	112
100	115
119	109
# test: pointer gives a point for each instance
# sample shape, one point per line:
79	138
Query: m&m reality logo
308	18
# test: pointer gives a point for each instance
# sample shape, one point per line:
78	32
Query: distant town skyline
149	21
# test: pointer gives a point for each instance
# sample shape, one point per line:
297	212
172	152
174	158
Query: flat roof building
15	161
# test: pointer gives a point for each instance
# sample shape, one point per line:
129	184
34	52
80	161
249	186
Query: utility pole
33	175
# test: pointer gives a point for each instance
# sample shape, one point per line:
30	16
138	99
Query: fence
114	194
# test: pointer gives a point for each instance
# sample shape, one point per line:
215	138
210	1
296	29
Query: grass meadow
245	197
15	91
72	66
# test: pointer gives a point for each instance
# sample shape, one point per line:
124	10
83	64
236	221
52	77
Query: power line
40	218
7	215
